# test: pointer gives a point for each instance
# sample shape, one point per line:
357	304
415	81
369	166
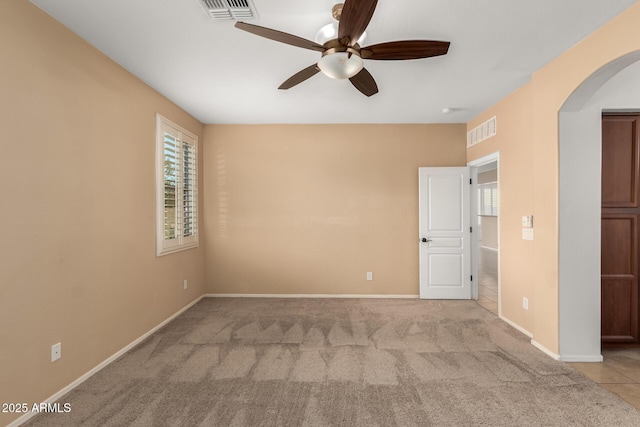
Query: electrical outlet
56	352
185	284
525	303
369	275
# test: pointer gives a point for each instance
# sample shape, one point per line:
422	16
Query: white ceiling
221	74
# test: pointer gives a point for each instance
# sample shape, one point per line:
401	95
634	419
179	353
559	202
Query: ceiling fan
342	55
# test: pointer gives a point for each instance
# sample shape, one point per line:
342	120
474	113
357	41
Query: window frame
166	246
489	208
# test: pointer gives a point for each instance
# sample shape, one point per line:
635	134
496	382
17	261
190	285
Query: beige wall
514	142
553	85
77	259
289	209
528	141
309	209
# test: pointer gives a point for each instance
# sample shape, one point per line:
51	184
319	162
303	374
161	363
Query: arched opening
579	202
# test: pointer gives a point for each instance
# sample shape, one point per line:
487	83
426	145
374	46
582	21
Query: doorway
620	217
486	236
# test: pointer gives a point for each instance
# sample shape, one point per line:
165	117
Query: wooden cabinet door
620	216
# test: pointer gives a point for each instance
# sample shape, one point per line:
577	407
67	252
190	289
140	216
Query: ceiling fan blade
279	36
354	19
364	82
299	77
406	49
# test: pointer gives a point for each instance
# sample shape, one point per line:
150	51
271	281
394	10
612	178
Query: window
488	199
177	187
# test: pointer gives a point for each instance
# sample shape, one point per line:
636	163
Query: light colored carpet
338	362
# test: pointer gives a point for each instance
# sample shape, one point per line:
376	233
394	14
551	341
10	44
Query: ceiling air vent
482	132
219	10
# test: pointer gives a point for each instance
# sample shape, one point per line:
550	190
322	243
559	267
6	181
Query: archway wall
549	88
580	200
579	234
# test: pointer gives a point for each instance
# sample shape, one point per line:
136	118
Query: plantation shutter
189	188
171	163
177	208
488	199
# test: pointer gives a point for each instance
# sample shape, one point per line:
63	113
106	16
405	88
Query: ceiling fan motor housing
336	11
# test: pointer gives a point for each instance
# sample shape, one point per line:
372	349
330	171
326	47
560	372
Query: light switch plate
527	221
527	233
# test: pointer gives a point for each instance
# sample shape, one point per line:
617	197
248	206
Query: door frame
475	248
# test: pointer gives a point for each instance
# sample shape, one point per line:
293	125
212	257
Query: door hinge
470	181
472	278
470	229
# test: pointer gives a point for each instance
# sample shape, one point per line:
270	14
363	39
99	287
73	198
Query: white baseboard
582	358
590	358
534	343
546	351
102	365
516	326
307	296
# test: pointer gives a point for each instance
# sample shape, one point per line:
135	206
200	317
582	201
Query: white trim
475	237
516	326
308	296
475	251
569	358
582	358
102	365
489	158
488	248
542	348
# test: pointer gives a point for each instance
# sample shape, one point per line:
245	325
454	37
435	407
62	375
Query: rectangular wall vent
229	9
482	132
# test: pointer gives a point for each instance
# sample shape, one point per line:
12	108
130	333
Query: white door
445	234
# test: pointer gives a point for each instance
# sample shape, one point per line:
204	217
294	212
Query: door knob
425	240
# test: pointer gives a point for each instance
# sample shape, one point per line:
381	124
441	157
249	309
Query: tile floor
619	373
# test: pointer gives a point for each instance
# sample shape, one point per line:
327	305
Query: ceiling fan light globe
330	32
326	33
340	65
